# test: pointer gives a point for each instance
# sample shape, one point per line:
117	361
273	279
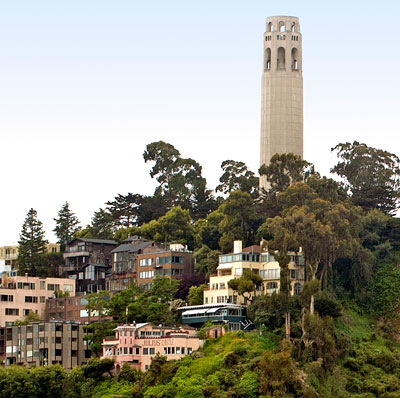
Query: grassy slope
228	367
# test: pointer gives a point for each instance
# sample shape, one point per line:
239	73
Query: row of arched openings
281	59
281	27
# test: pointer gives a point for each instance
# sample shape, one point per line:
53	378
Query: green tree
285	169
195	296
327	188
283	239
31	244
164	289
125	209
152	208
101	227
50	265
180	179
206	260
248	284
175	227
236	176
206	229
240	221
124	233
96	368
372	176
66	225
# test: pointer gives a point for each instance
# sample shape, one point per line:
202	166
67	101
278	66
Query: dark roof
131	248
91	240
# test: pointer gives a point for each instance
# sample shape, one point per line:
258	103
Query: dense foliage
337	338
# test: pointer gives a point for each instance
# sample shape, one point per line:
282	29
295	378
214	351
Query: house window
146	274
31	299
145	261
12	311
67	288
26	285
297	288
294	274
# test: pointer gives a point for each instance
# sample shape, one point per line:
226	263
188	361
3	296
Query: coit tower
282	90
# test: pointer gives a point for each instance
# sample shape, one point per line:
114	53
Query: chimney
237	246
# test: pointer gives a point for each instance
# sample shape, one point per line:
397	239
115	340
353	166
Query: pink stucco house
136	344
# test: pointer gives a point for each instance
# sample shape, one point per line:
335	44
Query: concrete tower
282	90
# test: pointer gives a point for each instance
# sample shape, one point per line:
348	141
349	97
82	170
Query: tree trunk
303	330
287	325
312	304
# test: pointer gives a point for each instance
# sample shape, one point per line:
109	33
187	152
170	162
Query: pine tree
32	244
66	225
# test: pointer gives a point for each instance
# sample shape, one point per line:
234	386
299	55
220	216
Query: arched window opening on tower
268	59
282	27
270	27
293	27
281	58
295	64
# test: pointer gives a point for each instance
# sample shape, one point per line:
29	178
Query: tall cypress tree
66	225
32	244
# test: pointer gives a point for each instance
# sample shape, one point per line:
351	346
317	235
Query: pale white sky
85	85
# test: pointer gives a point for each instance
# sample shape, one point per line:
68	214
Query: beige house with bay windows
251	258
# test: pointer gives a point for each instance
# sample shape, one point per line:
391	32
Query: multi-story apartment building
20	295
2	344
46	343
88	261
172	261
136	344
70	309
233	265
9	254
124	267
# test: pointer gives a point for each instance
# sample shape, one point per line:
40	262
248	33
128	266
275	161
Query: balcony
76	253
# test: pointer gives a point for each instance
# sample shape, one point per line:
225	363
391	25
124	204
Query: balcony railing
75	249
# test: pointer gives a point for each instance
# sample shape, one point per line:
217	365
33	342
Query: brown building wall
69	309
171	264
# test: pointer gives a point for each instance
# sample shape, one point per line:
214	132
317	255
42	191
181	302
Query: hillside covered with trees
337	338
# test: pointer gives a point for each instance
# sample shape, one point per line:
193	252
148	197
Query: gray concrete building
282	90
46	343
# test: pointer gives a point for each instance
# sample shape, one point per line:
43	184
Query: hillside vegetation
366	364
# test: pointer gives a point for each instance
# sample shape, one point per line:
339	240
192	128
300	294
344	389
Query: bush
327	306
